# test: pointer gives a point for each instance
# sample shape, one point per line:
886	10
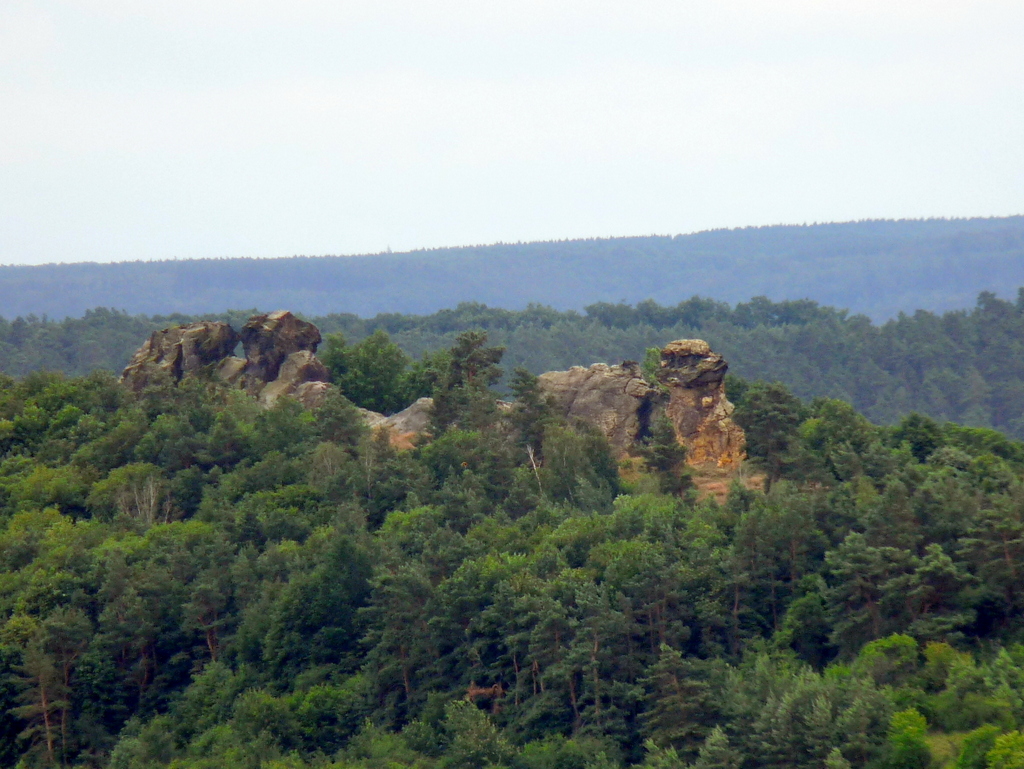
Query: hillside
877	268
964	366
191	581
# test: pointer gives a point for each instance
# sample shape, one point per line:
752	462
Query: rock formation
180	351
412	420
405	426
299	371
268	340
280	360
615	399
279	357
697	407
621	403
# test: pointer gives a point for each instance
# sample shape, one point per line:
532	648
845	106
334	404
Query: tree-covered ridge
877	268
187	580
965	366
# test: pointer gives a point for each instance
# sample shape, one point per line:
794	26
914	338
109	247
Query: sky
140	129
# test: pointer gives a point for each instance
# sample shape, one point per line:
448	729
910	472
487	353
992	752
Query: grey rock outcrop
178	352
299	370
311	394
615	399
279	360
622	404
412	419
268	340
372	419
403	426
231	369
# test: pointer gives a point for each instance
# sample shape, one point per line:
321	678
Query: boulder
231	369
372	419
312	394
413	419
279	357
693	378
615	399
179	351
298	370
405	426
268	340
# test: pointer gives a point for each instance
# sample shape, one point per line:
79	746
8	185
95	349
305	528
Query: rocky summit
268	340
623	404
280	360
693	378
280	357
179	351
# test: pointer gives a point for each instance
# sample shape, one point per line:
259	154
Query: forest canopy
877	268
190	581
965	366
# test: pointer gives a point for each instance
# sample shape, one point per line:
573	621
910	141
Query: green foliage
907	748
473	740
1007	752
578	467
922	435
716	753
463	394
187	580
533	412
976	746
651	364
374	374
770	416
889	660
666	457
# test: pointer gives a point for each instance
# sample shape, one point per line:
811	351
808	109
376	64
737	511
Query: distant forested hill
964	366
877	268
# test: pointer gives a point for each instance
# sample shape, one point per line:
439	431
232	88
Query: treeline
962	366
877	268
189	581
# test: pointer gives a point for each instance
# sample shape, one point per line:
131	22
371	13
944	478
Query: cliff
689	391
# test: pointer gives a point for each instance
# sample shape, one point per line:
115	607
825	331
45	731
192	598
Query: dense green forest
877	268
189	581
966	365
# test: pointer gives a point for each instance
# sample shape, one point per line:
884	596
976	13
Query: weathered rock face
312	394
280	361
177	352
231	369
697	407
268	340
413	419
622	404
298	370
405	426
279	350
615	399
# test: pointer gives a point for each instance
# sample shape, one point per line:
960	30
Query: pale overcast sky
139	129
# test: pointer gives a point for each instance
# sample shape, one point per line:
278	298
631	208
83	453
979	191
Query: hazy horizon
266	129
468	246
